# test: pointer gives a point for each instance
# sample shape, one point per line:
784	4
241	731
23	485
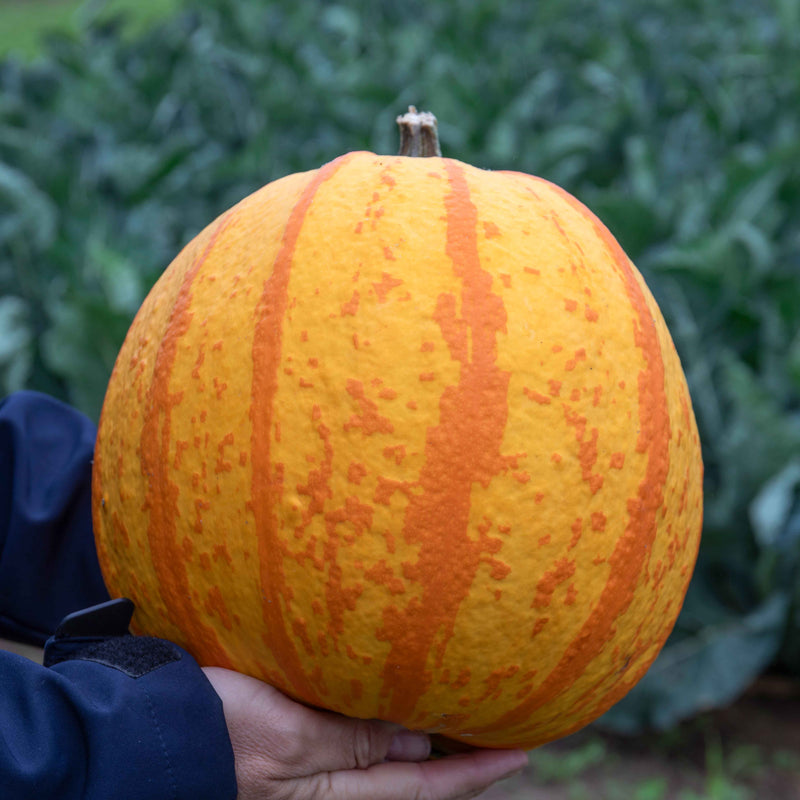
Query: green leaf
16	352
26	209
771	507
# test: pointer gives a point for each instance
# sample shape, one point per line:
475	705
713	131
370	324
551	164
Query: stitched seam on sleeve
167	761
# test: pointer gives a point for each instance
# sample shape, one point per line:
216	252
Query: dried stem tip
418	134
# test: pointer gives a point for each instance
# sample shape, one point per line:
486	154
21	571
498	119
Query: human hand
286	751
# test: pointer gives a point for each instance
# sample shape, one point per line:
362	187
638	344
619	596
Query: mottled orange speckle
201	357
368	420
351	306
598	521
539	626
396	453
495	680
537	397
383	574
587	448
562	571
180	447
572	595
221	554
222	465
577	532
580	355
386	284
463	679
386	487
490	230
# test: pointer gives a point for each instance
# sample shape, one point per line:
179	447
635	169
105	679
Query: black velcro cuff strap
100	634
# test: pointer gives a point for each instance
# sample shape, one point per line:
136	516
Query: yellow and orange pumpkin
409	440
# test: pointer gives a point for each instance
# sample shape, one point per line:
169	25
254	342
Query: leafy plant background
676	121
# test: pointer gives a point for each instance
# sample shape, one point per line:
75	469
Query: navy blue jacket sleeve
91	729
121	717
48	562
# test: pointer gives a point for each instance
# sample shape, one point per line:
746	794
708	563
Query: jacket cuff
153	723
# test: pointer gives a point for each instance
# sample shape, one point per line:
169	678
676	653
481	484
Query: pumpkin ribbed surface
409	440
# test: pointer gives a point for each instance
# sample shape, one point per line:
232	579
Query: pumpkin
408	440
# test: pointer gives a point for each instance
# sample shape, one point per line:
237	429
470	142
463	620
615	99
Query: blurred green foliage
676	121
24	24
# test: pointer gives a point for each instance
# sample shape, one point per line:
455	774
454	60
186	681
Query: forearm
48	565
131	718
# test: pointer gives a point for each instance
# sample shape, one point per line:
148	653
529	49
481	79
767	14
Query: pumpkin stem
418	134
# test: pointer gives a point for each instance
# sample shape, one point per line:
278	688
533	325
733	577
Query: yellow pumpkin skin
408	440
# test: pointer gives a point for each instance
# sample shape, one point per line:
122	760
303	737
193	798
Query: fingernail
409	746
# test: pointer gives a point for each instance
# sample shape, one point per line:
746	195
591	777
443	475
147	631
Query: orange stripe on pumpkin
267	482
161	499
464	448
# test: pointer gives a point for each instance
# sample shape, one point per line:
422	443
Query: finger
333	742
455	777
